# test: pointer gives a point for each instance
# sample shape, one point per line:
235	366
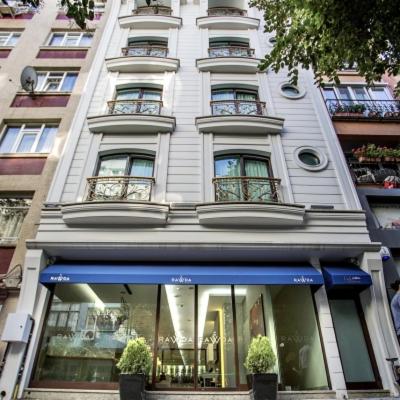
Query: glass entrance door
175	361
355	349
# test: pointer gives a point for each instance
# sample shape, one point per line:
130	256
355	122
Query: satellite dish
29	79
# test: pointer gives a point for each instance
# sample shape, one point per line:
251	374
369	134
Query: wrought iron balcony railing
382	173
230	51
238	107
152	10
152	107
368	109
244	188
226	12
140	51
119	188
12	214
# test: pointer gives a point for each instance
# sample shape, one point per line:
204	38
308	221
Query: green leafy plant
260	356
136	358
325	35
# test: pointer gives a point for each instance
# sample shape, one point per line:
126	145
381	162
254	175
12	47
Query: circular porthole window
291	91
310	158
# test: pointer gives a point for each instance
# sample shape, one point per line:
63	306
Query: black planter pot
264	386
131	387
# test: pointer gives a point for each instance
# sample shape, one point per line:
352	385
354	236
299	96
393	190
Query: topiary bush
260	358
136	358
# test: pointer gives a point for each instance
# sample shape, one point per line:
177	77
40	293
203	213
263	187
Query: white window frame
9	35
22	131
46	82
66	36
352	94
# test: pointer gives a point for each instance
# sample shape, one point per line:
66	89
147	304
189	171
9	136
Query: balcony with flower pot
143	58
236	111
136	110
220	16
229	57
151	17
375	166
364	110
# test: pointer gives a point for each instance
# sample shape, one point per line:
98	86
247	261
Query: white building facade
200	202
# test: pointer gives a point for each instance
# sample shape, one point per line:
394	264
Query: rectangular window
12	214
28	139
70	39
56	81
9	38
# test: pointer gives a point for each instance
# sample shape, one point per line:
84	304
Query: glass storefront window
198	346
286	315
216	344
87	329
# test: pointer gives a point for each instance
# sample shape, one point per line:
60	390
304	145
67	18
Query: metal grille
244	188
234	107
114	188
135	107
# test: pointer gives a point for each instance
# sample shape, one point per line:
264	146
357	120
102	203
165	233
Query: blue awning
181	274
346	276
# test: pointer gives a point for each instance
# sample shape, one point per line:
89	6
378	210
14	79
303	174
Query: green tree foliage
260	358
327	35
136	358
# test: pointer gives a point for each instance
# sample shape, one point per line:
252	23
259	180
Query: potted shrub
135	365
260	361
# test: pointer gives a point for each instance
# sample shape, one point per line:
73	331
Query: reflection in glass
351	341
175	355
87	329
216	354
299	348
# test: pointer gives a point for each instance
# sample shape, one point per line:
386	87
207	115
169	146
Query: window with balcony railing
152	10
226	12
361	102
12	214
236	102
143	48
122	177
244	178
229	48
136	101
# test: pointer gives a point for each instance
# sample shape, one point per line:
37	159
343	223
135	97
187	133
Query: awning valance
181	274
338	276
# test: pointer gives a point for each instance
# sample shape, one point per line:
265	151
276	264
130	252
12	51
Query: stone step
71	394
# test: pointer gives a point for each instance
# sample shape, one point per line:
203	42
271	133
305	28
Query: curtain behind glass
140	189
113	188
257	189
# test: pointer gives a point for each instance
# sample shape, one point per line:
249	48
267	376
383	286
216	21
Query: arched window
122	177
232	101
242	177
136	101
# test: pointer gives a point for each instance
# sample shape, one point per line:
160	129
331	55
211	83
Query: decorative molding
142	64
250	214
150	22
240	124
227	22
115	213
131	123
244	65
